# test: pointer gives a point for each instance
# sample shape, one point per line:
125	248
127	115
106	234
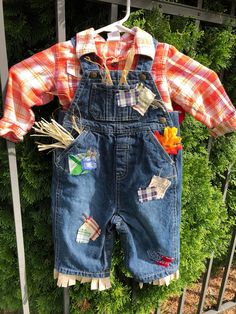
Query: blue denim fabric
128	156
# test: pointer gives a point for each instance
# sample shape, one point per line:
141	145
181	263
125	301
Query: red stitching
162	263
167	258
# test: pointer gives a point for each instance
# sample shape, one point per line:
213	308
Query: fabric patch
126	97
84	234
88	231
145	99
156	189
89	163
141	108
161	183
147	194
160	259
75	165
82	163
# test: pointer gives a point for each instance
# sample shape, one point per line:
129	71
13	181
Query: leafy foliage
206	221
181	33
29	27
221	43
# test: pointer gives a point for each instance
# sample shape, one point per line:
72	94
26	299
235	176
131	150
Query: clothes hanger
118	25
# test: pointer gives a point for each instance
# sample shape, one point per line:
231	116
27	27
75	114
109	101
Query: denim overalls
101	184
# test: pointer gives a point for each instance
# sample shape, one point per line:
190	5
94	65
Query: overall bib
101	184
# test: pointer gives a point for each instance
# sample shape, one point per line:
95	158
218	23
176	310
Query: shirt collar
144	45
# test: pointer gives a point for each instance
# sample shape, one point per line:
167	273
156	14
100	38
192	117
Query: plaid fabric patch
141	108
145	99
88	231
161	183
83	235
147	194
156	189
126	97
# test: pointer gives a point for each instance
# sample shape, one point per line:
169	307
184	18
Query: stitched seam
175	226
159	147
56	214
157	275
66	271
125	172
117	199
79	90
133	131
66	151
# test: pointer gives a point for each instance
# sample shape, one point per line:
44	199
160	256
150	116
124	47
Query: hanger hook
118	24
127	13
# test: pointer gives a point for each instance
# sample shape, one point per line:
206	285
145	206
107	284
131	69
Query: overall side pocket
75	147
160	149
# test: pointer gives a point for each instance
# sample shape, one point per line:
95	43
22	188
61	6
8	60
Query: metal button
93	74
142	76
162	120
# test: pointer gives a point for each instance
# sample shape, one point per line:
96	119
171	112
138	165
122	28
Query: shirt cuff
226	126
11	131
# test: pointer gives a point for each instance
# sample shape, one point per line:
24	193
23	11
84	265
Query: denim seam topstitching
58	189
125	172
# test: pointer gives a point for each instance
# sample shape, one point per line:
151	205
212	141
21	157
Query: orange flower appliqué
170	141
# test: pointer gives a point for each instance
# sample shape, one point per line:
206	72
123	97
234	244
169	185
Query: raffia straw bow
107	77
128	64
56	131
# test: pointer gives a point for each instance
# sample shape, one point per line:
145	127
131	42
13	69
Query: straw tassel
95	284
128	64
141	285
166	280
163	281
101	284
56	131
107	78
64	280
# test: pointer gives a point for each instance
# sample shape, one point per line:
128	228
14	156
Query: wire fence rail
166	7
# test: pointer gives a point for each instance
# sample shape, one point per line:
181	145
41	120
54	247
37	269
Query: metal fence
172	8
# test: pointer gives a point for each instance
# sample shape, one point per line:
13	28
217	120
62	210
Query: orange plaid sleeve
199	92
29	84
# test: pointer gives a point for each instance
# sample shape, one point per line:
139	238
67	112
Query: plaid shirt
56	71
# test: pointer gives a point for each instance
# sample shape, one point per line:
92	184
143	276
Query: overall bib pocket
112	103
